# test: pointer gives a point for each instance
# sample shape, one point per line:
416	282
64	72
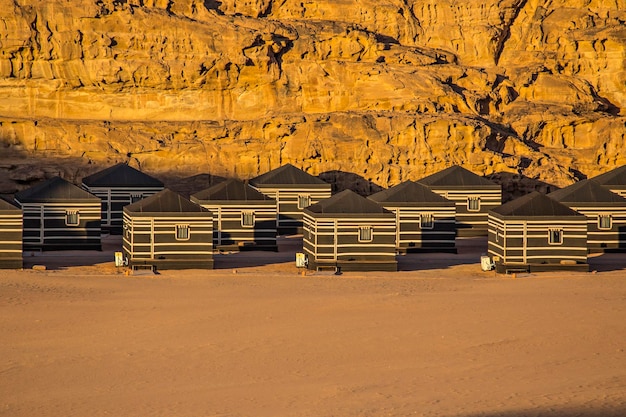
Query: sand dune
265	341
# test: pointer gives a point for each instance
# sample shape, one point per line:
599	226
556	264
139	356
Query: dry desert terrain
255	338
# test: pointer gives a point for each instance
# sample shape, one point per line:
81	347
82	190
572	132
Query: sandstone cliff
526	91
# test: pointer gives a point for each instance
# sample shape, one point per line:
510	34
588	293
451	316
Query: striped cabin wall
45	226
527	241
228	227
471	222
113	201
11	229
410	233
152	240
288	211
599	239
335	241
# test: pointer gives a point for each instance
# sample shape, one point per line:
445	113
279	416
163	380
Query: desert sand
255	338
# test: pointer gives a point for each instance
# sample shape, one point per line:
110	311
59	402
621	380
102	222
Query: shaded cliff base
358	151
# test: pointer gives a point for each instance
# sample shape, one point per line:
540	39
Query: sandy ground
255	338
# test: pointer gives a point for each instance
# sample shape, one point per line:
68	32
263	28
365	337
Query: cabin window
182	232
473	203
365	234
71	218
427	221
304	201
555	236
135	197
247	219
605	221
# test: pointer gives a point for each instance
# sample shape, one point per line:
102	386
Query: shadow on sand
469	251
287	248
59	260
556	411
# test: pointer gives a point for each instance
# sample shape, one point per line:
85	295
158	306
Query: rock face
528	92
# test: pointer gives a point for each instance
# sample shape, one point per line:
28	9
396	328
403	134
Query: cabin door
42	225
335	238
152	239
525	242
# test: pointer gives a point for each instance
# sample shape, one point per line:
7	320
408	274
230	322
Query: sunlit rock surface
527	92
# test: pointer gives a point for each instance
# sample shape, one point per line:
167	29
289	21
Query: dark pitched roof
287	175
7	206
121	175
616	176
230	190
535	204
347	202
55	189
410	192
165	201
586	191
456	176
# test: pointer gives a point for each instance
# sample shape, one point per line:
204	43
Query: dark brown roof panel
533	205
410	192
121	175
456	176
586	192
348	202
231	190
165	201
287	175
55	190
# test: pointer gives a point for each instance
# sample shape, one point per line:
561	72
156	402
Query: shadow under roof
55	189
587	191
231	190
7	206
410	192
121	175
456	176
535	204
287	175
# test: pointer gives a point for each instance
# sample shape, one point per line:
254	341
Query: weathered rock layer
387	90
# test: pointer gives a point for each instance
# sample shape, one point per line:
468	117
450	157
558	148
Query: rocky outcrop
525	91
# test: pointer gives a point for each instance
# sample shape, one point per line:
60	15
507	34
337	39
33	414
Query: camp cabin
118	186
59	215
614	180
474	197
425	221
243	218
293	190
350	233
536	233
10	236
605	211
167	231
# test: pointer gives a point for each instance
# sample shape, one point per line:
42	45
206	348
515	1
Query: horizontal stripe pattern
412	231
287	210
10	237
155	238
527	241
601	238
45	225
229	230
115	198
489	198
339	240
